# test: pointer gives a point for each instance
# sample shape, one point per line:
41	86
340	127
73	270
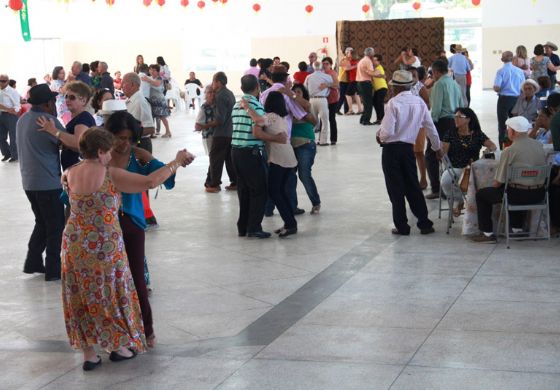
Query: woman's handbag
464	181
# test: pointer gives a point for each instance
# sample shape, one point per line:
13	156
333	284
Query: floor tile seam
354	362
58	377
442	318
361	327
471	300
239	368
197	337
498	332
484	369
307	273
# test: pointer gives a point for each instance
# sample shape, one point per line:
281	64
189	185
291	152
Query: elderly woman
157	98
99	297
527	104
462	145
77	97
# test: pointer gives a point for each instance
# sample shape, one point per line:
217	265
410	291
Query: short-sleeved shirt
463	149
38	153
524	151
364	65
459	64
242	136
556	62
295	111
279	154
69	157
140	109
299	77
224	102
539	69
509	78
379	82
525	108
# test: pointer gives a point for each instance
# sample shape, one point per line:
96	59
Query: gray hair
317	65
77	63
103	65
133	78
369	51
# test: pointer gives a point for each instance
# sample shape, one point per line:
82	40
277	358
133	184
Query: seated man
523	151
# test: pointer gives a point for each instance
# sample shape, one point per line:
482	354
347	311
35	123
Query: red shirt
299	77
352	73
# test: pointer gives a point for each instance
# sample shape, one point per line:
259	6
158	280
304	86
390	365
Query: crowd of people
91	219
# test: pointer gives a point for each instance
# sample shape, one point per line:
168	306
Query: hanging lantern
224	1
256	7
366	8
110	2
476	3
161	3
185	3
201	4
309	8
416	5
147	3
215	1
15	5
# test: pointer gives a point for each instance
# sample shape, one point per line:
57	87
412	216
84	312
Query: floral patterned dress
61	109
99	297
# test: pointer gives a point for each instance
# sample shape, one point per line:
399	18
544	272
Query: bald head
130	84
507	56
5	79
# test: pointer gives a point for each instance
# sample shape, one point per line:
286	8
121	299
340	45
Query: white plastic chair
174	94
193	91
539	173
447	167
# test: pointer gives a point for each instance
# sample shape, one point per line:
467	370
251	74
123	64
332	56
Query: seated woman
527	104
97	103
462	145
541	127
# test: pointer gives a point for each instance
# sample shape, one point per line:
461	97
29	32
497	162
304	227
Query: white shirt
314	80
10	98
140	109
144	85
405	114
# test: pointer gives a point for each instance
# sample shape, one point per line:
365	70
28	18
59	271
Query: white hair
369	51
317	65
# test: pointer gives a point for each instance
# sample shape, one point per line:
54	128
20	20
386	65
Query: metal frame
445	166
514	173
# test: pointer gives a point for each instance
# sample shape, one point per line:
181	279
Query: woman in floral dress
98	293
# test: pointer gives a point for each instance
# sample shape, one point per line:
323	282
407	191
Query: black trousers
332	122
278	178
443	126
134	239
220	153
145	143
8	128
47	232
379	103
342	101
504	107
487	197
401	178
250	167
366	93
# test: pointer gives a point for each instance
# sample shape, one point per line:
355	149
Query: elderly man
247	148
220	152
9	107
193	80
106	80
139	108
364	75
507	84
77	73
460	65
445	98
549	49
312	58
39	154
404	116
318	84
524	151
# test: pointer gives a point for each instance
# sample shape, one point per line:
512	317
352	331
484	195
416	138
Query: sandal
166	135
151	340
350	113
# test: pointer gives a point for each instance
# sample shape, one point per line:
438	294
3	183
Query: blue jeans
305	155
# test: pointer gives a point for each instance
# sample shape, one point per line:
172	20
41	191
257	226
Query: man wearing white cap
524	151
404	116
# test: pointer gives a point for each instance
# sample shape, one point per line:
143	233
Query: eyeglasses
460	116
4	81
70	97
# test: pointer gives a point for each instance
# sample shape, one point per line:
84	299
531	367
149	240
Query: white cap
112	105
519	124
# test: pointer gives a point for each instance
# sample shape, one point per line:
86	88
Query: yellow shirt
379	82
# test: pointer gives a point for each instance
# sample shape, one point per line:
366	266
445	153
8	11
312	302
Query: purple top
254	70
294	109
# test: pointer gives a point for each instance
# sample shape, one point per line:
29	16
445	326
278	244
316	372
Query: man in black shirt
193	80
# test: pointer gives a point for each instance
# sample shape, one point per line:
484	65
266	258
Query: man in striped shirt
247	146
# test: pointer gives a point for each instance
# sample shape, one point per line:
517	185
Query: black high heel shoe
116	357
90	366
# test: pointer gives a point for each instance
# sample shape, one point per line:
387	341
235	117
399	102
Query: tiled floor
342	305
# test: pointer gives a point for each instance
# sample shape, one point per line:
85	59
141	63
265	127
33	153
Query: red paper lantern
476	3
256	7
184	3
366	8
215	1
309	8
224	1
201	4
147	3
416	5
161	3
16	5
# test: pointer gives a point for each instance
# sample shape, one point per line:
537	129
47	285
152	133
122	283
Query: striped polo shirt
243	124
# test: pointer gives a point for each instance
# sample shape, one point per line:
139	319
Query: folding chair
539	173
446	166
